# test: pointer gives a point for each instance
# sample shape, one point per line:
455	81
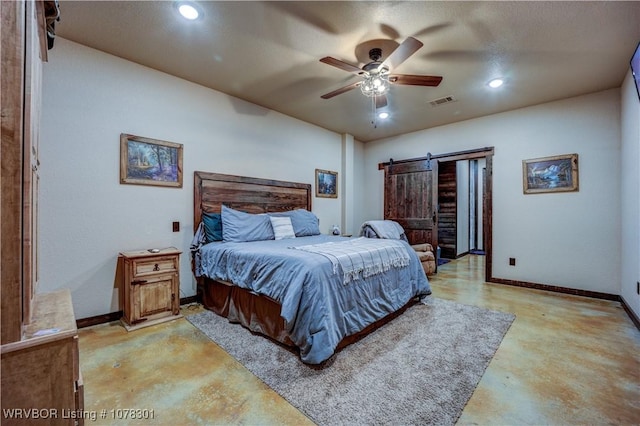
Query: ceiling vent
442	101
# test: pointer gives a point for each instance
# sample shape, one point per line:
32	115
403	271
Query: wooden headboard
251	195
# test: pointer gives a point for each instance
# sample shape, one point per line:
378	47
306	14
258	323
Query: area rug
419	369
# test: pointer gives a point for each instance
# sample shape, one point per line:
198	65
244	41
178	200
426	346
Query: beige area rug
419	369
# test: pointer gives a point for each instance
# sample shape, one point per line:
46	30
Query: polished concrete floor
566	360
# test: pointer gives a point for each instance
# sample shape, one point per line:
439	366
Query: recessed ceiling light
383	115
189	11
495	83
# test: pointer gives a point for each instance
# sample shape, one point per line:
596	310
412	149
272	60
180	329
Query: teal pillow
212	226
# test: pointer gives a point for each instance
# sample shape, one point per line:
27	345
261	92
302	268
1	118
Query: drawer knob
156	267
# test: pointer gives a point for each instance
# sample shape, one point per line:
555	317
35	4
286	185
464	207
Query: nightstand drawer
154	266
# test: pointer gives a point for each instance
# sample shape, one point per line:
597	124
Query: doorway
461	187
478	162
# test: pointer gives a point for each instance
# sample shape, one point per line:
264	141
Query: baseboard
574	291
634	318
188	300
557	289
99	319
115	316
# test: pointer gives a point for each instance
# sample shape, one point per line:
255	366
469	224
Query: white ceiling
268	52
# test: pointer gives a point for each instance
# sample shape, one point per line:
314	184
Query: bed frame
258	313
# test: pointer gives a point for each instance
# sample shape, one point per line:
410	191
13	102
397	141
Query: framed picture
550	174
635	68
145	161
326	184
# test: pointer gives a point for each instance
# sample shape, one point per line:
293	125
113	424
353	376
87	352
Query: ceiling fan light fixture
189	10
375	85
495	83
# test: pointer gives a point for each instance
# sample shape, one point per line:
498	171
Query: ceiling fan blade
415	80
341	90
342	65
381	101
402	53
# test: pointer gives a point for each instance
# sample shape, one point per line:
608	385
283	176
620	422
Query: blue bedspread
318	308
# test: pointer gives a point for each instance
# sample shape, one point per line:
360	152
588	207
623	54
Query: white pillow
282	227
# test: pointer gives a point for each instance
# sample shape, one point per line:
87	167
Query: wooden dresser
40	374
151	287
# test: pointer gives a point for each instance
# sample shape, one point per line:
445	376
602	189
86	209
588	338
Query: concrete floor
565	360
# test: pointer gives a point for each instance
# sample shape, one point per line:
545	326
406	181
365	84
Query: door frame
487	217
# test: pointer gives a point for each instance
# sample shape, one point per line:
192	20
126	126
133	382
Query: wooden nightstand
150	287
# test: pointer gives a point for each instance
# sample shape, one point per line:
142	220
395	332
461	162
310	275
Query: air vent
442	101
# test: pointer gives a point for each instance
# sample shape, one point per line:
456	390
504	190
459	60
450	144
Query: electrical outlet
176	226
512	261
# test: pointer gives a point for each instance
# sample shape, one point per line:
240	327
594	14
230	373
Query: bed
293	290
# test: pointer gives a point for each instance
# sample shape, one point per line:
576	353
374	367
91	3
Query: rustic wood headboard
251	195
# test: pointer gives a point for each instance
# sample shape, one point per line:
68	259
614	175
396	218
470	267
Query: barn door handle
435	217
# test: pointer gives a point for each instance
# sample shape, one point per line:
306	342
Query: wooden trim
574	291
99	319
115	316
189	300
12	104
556	289
208	191
634	318
452	156
487	214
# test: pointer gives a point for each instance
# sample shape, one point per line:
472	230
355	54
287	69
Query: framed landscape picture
145	161
326	184
550	174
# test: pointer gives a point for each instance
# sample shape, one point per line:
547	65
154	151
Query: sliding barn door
411	199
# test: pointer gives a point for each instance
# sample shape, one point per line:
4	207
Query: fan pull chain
373	112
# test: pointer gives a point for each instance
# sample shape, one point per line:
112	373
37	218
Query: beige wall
573	240
87	217
630	194
565	239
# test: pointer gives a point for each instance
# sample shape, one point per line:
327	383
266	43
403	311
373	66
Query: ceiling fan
376	75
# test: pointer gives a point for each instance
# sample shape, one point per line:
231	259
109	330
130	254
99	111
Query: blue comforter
318	308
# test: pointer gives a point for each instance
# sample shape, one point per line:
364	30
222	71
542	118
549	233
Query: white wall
347	179
630	194
87	217
564	239
360	215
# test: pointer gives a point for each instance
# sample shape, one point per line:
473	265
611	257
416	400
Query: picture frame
146	161
634	62
550	174
326	184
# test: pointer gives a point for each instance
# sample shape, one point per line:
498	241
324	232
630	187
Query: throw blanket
384	229
361	257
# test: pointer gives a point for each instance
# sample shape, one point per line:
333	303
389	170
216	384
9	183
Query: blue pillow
239	226
304	222
212	226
